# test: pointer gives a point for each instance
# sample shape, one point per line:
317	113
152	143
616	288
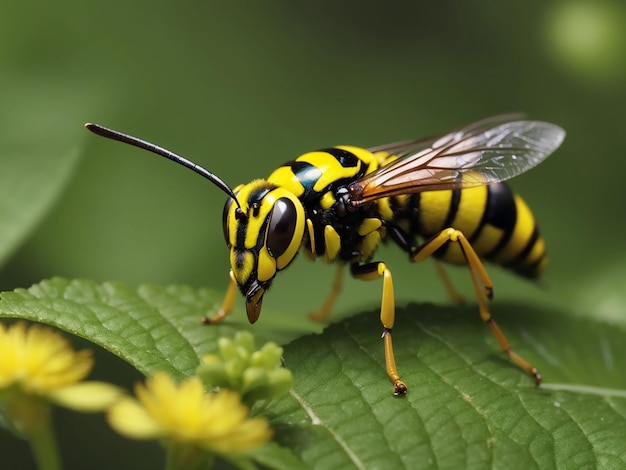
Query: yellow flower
186	414
37	362
38	366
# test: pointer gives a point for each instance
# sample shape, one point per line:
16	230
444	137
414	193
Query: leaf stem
32	417
45	450
186	457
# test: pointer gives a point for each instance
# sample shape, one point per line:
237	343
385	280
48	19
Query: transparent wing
406	147
484	152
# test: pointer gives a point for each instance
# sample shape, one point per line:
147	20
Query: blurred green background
241	87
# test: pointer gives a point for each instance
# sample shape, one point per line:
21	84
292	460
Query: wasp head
264	235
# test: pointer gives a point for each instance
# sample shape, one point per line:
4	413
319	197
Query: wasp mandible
442	196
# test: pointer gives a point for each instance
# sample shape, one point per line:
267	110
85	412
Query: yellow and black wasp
441	196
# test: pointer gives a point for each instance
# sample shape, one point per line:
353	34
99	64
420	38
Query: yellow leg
473	261
369	272
311	251
227	303
322	313
482	285
452	292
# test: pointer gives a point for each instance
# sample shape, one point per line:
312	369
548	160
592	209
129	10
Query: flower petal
130	419
87	396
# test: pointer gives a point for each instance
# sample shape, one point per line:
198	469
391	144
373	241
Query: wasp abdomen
496	221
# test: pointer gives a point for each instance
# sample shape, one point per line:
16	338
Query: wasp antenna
150	147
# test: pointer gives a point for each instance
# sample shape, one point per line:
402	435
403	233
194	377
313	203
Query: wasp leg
322	313
482	286
451	291
310	252
368	272
227	303
407	243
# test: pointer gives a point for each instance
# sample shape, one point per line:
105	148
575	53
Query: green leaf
276	457
152	328
39	149
467	405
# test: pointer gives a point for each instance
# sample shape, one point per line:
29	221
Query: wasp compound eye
282	227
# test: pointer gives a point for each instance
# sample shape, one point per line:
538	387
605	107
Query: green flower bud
256	375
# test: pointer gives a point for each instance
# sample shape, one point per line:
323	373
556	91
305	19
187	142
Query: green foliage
467	406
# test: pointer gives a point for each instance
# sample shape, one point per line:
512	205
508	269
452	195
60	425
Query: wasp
442	196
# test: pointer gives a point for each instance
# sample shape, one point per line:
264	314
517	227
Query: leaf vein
317	421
